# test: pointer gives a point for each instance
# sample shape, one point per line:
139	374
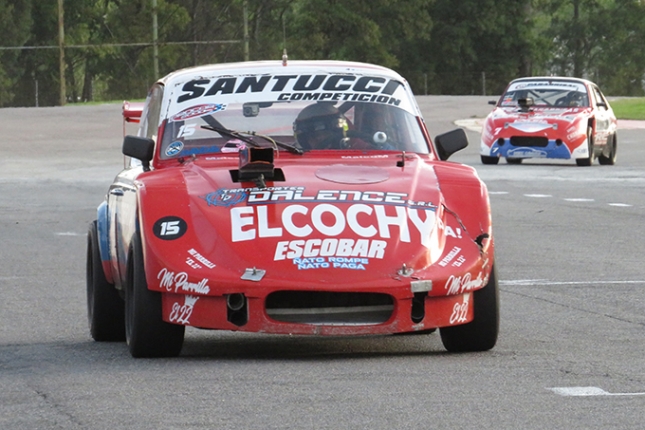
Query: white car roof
268	66
553	78
271	81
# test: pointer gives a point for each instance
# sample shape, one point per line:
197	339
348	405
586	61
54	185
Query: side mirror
141	148
492	102
450	142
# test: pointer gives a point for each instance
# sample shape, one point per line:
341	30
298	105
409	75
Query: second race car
550	117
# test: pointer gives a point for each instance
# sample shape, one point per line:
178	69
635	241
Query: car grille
329	308
536	141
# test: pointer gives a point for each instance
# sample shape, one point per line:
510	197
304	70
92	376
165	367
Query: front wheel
105	308
147	334
610	158
489	160
514	160
481	333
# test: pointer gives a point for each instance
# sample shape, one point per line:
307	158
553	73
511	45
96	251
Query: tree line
440	46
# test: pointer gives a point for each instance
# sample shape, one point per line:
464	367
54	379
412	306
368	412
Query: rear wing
131	112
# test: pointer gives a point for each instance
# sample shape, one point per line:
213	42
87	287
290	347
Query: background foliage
440	46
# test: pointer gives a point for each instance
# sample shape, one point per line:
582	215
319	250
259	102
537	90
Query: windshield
545	93
208	128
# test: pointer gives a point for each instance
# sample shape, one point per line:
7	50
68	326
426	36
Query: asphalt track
571	352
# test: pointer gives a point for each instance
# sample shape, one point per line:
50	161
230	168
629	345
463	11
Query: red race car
550	117
299	198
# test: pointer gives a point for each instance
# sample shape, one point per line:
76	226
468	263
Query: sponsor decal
175	283
198	150
351	263
460	311
526	153
572	136
548	84
197	111
450	256
335	223
461	284
224	198
459	261
366	156
365	221
333	248
255	196
174	148
169	228
373	98
449	231
196	260
180	314
334	87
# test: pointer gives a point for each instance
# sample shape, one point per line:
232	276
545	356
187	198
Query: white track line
543	282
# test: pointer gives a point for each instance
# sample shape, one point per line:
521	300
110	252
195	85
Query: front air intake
540	142
328	308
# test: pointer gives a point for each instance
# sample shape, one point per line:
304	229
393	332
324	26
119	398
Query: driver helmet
320	126
576	98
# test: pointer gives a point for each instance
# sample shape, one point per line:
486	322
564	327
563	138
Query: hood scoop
344	174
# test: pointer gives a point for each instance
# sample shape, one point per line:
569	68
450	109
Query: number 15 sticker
169	228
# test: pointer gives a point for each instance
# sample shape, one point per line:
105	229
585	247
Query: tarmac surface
568	247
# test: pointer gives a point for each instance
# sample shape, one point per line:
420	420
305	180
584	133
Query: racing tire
589	160
610	159
514	160
105	307
489	160
481	333
147	334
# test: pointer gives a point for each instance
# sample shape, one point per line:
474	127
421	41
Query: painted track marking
543	282
569	199
587	391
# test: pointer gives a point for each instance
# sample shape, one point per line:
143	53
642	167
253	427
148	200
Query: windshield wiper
232	134
241	136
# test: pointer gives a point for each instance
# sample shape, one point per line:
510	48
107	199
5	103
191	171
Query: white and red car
550	117
231	214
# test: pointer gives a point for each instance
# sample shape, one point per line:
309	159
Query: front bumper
547	148
403	314
396	304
